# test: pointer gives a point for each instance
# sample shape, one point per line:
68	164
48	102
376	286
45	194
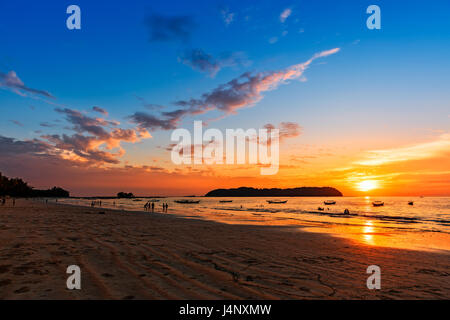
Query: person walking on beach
153	207
167	206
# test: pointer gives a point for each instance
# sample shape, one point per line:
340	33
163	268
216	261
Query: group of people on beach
98	203
3	202
151	206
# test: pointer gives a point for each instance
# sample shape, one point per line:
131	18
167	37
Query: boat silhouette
187	201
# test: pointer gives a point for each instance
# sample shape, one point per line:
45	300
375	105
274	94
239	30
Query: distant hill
276	192
16	187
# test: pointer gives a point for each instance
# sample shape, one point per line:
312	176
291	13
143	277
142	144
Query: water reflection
368	231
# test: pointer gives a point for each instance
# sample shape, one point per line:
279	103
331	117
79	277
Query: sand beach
131	255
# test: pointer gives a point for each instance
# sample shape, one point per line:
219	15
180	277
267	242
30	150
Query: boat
411	203
187	201
223	201
276	201
378	203
320	209
153	200
329	202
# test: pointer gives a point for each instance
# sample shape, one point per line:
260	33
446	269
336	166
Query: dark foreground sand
126	255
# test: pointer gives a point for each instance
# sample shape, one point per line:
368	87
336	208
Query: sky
92	110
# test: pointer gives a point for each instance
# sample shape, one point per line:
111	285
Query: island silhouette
276	192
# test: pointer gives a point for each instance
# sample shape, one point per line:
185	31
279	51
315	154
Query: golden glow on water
387	226
368	230
367	185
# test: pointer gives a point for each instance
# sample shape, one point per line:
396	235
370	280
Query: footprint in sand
432	271
22	290
107	275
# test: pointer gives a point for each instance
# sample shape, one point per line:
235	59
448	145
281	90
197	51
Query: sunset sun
367	185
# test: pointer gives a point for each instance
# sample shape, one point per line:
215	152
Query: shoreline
362	228
140	255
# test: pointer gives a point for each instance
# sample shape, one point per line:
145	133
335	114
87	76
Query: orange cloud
415	152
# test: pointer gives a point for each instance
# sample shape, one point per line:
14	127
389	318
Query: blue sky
382	83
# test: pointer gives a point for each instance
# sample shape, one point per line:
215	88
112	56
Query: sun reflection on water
368	231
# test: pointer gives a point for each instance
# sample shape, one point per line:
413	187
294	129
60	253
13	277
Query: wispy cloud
168	121
273	40
17	123
12	82
421	151
168	28
285	14
325	53
148	105
100	110
243	91
227	16
47	125
247	89
201	61
287	129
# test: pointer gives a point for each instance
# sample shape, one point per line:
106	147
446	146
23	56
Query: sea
425	225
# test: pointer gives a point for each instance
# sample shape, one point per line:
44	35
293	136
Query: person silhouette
153	206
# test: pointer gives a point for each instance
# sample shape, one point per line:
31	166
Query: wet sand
130	255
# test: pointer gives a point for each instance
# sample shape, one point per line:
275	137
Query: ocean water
425	225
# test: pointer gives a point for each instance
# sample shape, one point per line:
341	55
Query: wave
383	217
